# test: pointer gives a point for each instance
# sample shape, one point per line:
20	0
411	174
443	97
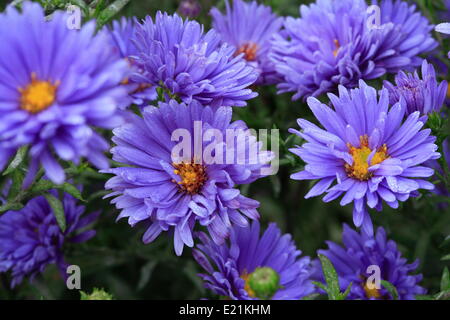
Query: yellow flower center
249	49
337	45
193	176
245	276
371	292
38	95
360	167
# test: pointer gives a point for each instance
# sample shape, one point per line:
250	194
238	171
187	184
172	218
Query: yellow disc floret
371	292
360	167
245	276
337	45
193	176
38	95
249	50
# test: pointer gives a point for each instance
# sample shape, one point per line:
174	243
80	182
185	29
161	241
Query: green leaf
18	159
444	295
16	186
424	297
42	186
58	210
445	280
97	294
320	285
347	291
72	190
446	257
81	4
111	11
312	296
390	288
45	185
14	206
331	278
447	238
146	273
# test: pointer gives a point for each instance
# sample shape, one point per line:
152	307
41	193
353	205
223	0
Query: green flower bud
264	282
97	294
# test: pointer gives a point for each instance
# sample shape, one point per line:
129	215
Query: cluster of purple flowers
340	42
58	87
30	239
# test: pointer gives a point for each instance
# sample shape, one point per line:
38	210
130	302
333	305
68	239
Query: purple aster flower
367	149
174	191
357	260
334	43
253	267
30	239
189	8
248	27
178	57
122	34
56	84
424	94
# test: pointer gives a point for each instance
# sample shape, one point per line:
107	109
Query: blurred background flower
31	239
249	27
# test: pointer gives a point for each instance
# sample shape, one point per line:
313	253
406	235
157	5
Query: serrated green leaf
97	294
331	278
83	295
58	210
18	159
390	288
445	280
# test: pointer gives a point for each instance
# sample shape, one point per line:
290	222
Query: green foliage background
118	261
